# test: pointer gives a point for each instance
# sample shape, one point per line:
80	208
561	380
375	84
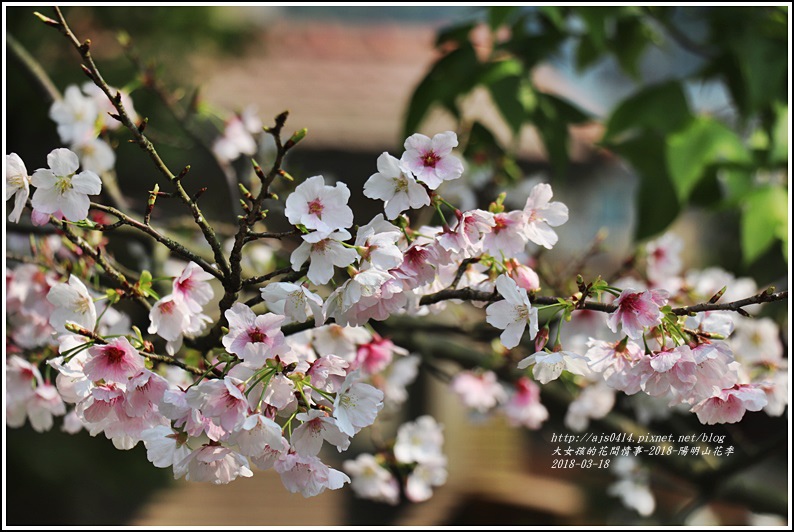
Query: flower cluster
309	370
415	463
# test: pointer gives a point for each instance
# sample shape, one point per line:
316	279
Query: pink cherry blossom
466	237
253	338
397	188
316	205
729	406
664	257
431	160
636	311
145	390
115	361
524	276
523	406
42	405
222	401
543	214
328	372
192	287
256	434
61	188
615	361
507	237
480	391
374	356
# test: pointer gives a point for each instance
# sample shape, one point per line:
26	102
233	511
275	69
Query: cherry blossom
427	475
192	287
356	405
543	214
73	304
317	427
307	475
214	463
293	301
17	185
115	361
512	314
371	480
61	188
324	251
396	187
480	391
523	406
636	311
419	441
316	205
548	366
76	115
253	338
431	160
729	406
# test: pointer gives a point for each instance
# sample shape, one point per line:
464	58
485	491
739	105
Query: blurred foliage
682	156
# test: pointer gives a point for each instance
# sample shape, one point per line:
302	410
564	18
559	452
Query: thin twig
92	71
171	244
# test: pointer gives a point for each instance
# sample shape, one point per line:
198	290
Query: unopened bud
47	20
716	297
295	138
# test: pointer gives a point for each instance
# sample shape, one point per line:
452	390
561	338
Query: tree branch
92	71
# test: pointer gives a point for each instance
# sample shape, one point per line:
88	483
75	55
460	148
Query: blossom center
400	184
82	305
316	207
63	183
114	354
256	336
430	159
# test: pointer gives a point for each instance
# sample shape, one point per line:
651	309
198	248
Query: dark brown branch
173	245
766	296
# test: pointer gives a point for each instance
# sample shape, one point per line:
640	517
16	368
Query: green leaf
448	78
498	15
457	34
629	43
505	94
703	143
779	151
657	203
497	70
661	108
764	219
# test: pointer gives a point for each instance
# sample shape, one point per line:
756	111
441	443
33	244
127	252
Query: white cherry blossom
543	214
397	188
431	160
61	188
17	185
513	313
316	205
